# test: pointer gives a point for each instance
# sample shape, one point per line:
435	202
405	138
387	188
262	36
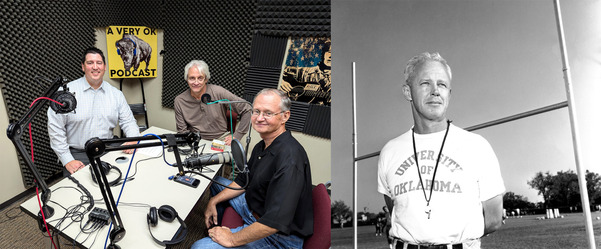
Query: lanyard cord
435	168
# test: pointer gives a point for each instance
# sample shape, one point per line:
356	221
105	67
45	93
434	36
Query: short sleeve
490	180
382	174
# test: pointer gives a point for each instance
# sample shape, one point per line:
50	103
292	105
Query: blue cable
125	180
162	145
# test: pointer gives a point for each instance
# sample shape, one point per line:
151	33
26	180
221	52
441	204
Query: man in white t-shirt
442	184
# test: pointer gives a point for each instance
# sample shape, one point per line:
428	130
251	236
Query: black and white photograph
508	87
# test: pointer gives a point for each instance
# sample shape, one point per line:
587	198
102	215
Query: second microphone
215	158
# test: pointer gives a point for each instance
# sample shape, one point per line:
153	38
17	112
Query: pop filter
67	99
205	98
239	155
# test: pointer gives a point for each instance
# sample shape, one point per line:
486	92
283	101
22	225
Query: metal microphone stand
96	147
225	101
14	132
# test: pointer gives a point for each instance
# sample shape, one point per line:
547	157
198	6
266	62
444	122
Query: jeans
239	204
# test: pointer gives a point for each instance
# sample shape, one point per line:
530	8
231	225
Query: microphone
215	158
205	98
239	156
227	101
67	99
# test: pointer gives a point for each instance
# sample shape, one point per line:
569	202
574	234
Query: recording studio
154	197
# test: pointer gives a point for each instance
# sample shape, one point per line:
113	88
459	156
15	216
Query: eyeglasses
194	79
266	115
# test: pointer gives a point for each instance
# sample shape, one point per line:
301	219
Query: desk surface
151	187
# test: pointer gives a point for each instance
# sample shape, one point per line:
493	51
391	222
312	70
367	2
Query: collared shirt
209	120
279	190
97	113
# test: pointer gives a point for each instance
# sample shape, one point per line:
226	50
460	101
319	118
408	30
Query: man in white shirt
100	108
442	184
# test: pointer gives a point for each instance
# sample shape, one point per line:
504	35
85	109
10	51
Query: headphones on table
166	213
107	167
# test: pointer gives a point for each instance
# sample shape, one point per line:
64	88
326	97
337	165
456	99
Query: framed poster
307	71
131	51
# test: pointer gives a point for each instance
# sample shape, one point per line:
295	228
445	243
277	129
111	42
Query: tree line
562	189
559	190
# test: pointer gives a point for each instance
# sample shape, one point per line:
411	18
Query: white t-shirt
468	174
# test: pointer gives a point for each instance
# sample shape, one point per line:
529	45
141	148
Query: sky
506	59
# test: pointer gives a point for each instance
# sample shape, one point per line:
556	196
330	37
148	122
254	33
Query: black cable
83	228
58	243
94	227
203	148
84	189
136	166
10	218
135	204
73	210
94	241
88	236
74	213
130	204
75	239
185	151
58	204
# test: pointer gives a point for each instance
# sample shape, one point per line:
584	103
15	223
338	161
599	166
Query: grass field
526	232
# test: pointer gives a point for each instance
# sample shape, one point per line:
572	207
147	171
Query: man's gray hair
421	58
284	100
201	65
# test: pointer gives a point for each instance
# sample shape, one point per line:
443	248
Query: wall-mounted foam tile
39	40
218	32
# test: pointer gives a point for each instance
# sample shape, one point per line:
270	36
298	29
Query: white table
151	186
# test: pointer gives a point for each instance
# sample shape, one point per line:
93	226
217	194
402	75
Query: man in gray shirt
193	114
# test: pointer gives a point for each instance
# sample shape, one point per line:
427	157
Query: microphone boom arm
14	132
96	147
226	101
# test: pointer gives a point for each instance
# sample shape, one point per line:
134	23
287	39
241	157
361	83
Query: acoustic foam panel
258	78
293	18
40	40
275	21
268	51
218	32
147	13
298	115
318	121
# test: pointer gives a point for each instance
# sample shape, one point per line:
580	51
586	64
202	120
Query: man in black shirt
276	205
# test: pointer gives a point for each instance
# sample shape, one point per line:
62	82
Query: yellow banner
132	51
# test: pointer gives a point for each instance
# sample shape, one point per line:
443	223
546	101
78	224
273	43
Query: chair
322	216
140	110
231	219
234	120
